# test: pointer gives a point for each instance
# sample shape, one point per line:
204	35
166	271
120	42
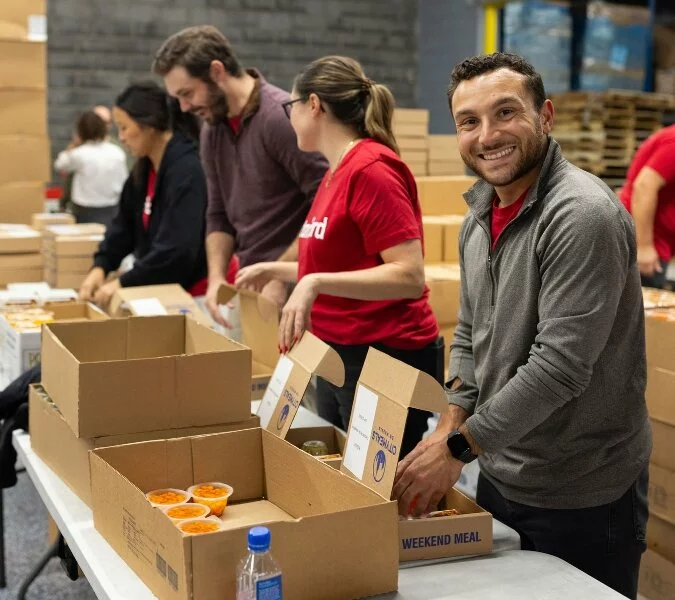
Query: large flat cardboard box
443	195
23	112
661	395
386	390
661	537
23	61
433	239
443	148
449	227
446	168
415	156
42	220
657	577
412	143
8	276
443	282
65	279
156	300
26	158
19	200
19	239
68	456
32	260
19	12
68	264
20	348
143	374
663	445
259	318
418	168
290	379
660	338
662	492
329	532
419	116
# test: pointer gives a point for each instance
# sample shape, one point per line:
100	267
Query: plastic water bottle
258	575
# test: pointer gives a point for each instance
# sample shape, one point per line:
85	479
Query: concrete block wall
96	47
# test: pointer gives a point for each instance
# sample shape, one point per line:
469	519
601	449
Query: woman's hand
94	280
295	316
255	277
106	292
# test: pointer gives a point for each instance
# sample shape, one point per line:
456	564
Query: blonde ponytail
379	115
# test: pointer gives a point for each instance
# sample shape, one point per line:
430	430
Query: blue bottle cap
259	539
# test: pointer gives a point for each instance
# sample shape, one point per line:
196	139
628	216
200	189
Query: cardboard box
663	445
8	276
655	298
259	318
68	456
661	537
19	200
42	220
156	300
320	520
665	81
412	144
662	492
418	168
445	249
417	116
290	379
433	239
334	438
446	167
65	279
26	157
18	12
414	156
660	338
143	374
657	577
32	260
443	195
664	47
69	264
661	395
387	388
21	349
23	112
22	61
443	282
19	239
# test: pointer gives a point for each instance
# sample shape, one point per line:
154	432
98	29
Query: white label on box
147	307
276	386
37	28
360	431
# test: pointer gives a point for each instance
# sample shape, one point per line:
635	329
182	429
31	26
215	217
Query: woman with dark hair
99	169
161	212
360	274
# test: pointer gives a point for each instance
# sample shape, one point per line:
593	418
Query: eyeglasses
288	104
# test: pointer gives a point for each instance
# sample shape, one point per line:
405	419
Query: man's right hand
212	305
648	261
94	280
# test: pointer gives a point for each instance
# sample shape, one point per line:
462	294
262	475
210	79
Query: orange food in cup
199	526
167	498
209	491
187	511
213	494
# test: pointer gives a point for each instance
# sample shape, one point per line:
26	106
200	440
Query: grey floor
26	542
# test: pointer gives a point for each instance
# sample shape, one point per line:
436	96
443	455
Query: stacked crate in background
68	252
411	128
24	145
20	256
444	157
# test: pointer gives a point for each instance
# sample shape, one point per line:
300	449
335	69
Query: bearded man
547	367
260	185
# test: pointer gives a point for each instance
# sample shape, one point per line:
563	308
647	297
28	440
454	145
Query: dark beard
530	160
217	104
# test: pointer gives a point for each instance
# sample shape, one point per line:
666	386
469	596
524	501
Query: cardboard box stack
68	252
657	572
411	128
20	256
24	144
444	157
41	220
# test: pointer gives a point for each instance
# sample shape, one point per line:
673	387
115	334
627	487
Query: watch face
458	445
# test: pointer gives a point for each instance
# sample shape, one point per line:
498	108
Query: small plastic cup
167	497
200	526
212	494
186	511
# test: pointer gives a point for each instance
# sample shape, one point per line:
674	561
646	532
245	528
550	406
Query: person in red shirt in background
649	195
360	272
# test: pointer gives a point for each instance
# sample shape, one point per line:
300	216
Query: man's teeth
499	154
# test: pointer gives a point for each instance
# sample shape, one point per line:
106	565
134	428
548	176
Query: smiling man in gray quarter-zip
547	370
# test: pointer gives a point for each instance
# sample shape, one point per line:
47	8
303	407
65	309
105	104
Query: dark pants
605	542
335	403
89	214
657	280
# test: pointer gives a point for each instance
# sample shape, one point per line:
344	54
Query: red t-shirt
658	153
235	124
368	206
149	197
501	217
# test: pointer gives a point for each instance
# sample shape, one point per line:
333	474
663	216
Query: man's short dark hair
487	63
195	48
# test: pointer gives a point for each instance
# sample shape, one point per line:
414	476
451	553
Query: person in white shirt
99	170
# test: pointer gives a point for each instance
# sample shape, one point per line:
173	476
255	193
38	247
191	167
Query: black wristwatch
459	447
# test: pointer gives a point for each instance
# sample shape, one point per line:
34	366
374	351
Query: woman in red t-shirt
360	273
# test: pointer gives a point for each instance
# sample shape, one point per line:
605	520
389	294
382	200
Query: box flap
387	388
318	358
259	323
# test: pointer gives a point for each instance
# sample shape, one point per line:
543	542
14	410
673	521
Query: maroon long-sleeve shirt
260	184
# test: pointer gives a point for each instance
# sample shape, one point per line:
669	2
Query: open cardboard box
320	520
334	438
68	456
143	374
387	388
259	319
156	300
